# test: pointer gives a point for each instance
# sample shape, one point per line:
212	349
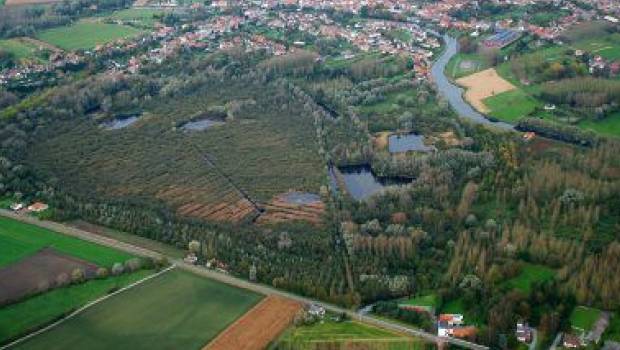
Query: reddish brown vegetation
279	210
258	327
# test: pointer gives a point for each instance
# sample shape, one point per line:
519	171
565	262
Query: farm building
523	333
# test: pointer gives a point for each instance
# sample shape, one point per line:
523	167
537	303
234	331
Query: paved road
556	342
534	339
454	94
237	282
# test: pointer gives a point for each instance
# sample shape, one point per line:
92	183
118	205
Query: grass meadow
430	300
465	64
18	240
529	275
584	317
510	106
332	335
86	34
22	50
138	17
176	310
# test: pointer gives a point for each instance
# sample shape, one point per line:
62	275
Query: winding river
453	93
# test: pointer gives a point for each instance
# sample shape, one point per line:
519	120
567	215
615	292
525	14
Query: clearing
511	106
529	275
176	310
19	240
583	318
257	328
283	209
330	334
482	85
430	300
29	275
86	34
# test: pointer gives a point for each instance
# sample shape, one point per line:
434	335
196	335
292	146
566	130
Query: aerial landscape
310	174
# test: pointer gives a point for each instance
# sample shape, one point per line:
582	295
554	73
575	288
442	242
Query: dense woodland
470	216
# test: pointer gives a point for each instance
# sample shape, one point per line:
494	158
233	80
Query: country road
237	282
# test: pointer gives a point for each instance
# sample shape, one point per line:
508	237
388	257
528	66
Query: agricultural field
344	335
529	275
258	327
86	34
273	154
483	85
584	317
176	310
19	240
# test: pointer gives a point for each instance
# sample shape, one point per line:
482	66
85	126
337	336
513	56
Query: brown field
483	84
258	327
29	2
279	210
38	272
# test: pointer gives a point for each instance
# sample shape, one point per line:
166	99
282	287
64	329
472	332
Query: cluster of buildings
452	325
36	207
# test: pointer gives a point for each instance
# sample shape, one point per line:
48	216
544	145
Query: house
38	207
451	319
17	206
523	333
191	258
316	310
571	341
528	136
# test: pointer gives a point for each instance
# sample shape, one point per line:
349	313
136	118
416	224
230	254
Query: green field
511	106
86	35
529	275
465	64
584	317
18	319
140	17
176	310
430	300
22	50
609	126
607	46
331	333
18	240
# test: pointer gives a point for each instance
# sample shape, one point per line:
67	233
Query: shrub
117	269
62	280
77	276
102	272
132	265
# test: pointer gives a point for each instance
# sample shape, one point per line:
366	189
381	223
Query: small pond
407	142
120	122
301	198
200	125
361	183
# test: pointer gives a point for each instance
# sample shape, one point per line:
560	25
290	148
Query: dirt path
258	327
482	85
39	43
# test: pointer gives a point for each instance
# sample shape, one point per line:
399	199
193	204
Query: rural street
237	282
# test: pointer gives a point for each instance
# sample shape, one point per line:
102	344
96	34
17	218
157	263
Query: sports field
19	240
176	310
348	334
86	34
529	275
464	64
510	106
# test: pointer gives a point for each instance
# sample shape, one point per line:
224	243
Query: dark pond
120	122
361	183
301	198
200	125
407	142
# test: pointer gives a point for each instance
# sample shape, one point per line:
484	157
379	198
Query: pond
361	182
120	122
301	198
399	143
200	125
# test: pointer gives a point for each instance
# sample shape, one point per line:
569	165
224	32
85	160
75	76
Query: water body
200	125
120	122
301	198
361	183
453	93
407	142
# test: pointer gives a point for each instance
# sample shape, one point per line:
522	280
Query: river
453	93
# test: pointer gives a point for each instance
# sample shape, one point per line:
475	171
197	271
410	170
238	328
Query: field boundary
85	307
